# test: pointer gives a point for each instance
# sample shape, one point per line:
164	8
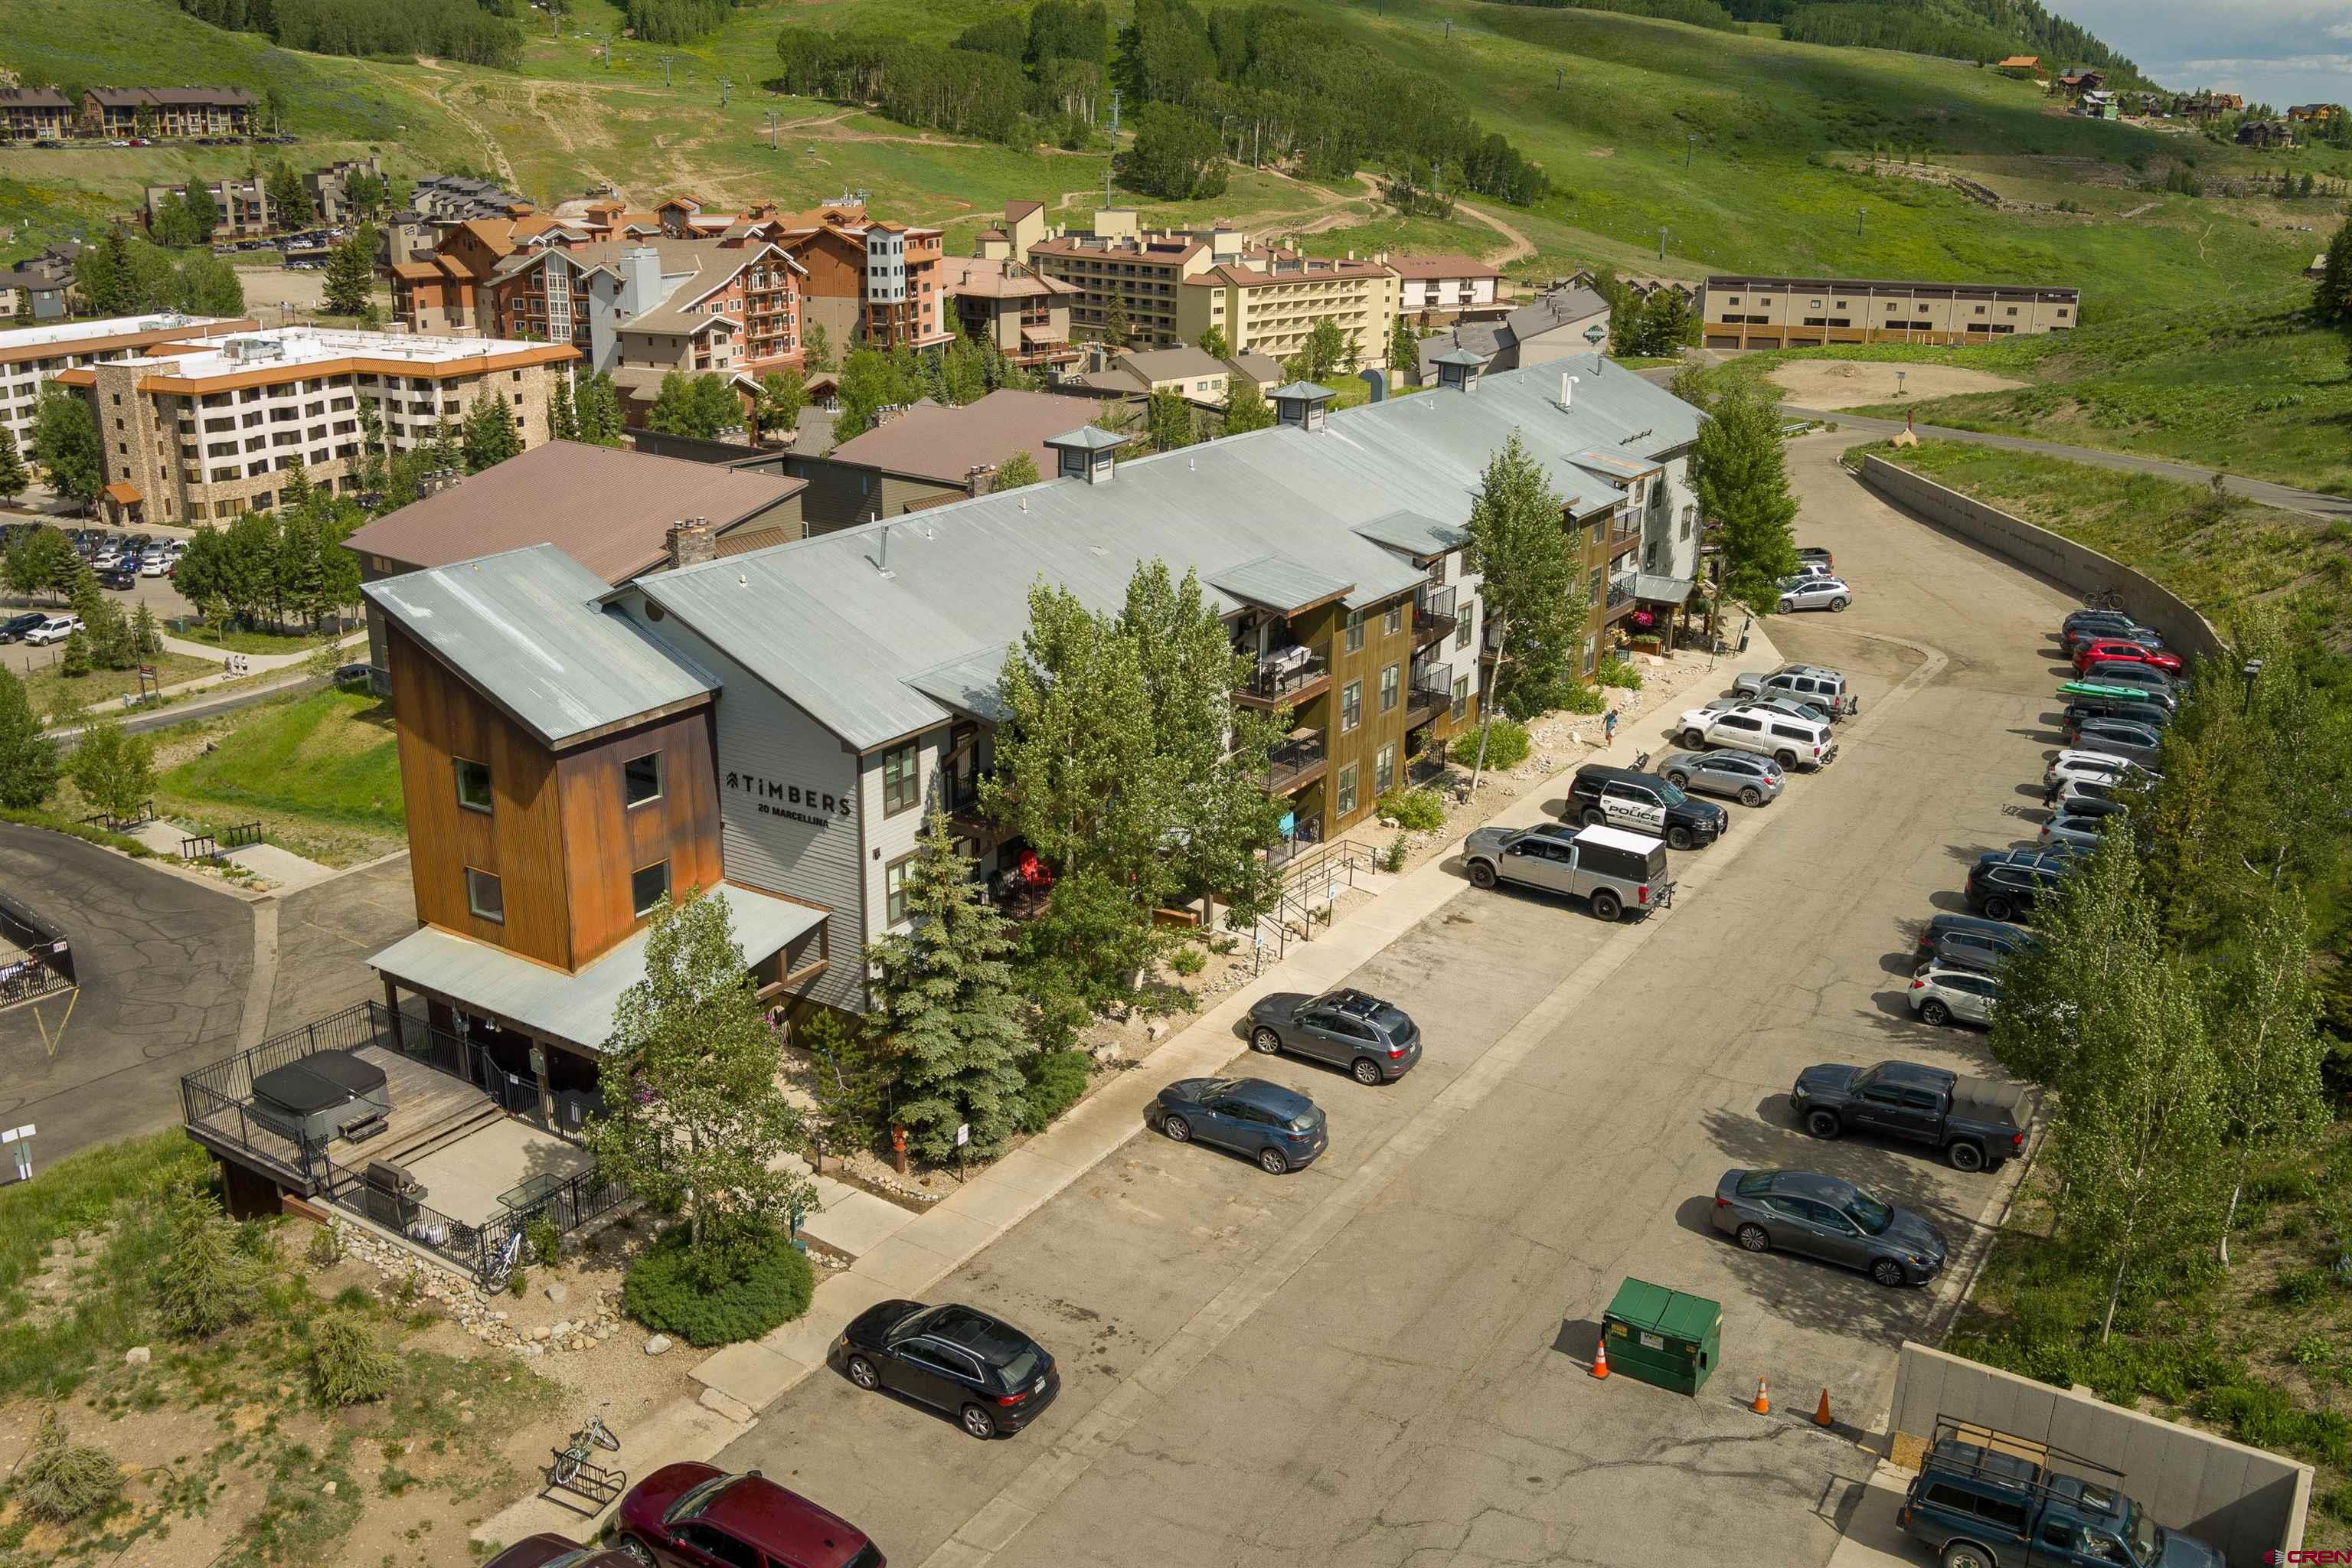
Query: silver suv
1824	688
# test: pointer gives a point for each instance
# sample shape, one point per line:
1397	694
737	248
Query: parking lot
1383	1358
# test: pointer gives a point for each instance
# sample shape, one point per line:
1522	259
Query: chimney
980	478
1567	396
690	543
640	281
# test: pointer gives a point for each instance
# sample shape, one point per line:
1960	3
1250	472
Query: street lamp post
1661	245
2252	672
1899	382
1859	214
1596	335
1688	142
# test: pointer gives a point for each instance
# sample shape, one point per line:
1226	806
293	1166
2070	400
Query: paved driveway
163	961
1382	1360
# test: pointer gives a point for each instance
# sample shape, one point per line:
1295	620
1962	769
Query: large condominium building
868	275
35	113
1742	311
30	357
1144	272
166	111
203	428
240	207
776	725
1015	306
1268	301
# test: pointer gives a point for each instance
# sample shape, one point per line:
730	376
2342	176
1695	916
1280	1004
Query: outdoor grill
391	1195
312	1100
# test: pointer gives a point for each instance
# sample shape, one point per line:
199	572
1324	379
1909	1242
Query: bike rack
593	1482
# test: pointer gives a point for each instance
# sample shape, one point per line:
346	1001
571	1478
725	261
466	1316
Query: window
1355	631
1347	801
1690	514
902	779
1389	689
1592	654
1394	622
641	779
1461	698
718	1546
473	784
895	878
486	896
1351	706
648	885
1462	628
1384	770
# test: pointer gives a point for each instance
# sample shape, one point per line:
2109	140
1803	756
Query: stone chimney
980	478
690	541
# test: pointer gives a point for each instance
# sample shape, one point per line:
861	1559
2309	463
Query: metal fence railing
212	845
479	1249
144	812
42	965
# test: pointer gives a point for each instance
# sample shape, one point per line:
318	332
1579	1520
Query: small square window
902	780
486	896
473	784
1394	622
641	779
648	886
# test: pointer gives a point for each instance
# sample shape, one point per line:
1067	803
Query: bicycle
2107	599
568	1461
496	1277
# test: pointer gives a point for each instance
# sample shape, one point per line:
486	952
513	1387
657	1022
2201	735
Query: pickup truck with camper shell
1978	1124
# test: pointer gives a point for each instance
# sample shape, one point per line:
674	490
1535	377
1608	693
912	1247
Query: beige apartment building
1267	301
1749	313
1145	271
31	357
203	429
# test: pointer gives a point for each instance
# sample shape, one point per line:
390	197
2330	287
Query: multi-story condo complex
1438	288
165	111
791	770
1144	272
1742	311
30	357
206	429
240	207
329	186
1015	306
1268	301
35	113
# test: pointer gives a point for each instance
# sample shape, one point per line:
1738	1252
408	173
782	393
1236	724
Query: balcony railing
1431	693
1433	615
1623	536
1287	675
1296	763
1619	600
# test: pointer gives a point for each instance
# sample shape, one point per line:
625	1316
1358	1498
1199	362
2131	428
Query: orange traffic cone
1601	1356
1763	1405
1822	1416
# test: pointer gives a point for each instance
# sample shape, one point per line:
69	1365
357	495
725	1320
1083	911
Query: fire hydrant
899	1148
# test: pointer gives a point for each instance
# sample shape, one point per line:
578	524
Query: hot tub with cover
313	1099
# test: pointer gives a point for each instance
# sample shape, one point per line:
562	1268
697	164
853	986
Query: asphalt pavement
1383	1359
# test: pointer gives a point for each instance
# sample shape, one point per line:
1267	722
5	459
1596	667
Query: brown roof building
168	111
35	113
932	451
1022	311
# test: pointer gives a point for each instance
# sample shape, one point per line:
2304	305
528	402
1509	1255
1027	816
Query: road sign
964	1134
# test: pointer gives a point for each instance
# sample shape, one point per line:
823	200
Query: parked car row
1815	584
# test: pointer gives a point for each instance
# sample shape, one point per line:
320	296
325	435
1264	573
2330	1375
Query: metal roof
1459	357
577	1007
524	628
1414	533
1087	438
967	685
1661	589
1278	583
1312	392
863	646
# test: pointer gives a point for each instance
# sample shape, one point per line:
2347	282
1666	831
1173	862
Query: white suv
1790	742
56	629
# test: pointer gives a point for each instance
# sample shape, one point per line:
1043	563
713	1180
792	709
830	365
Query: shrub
61	1481
543	1240
2310	1351
2337	1504
206	1281
326	1247
1392	858
2300	1287
2265	1417
518	1282
1583	699
1188	959
1506	744
348	1365
1416	810
719	1296
1616	671
1057	1080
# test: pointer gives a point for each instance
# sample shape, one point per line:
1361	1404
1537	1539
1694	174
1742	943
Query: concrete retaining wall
2052	555
2242	1500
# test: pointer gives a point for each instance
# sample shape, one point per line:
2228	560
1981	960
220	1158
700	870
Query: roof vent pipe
883	564
1567	394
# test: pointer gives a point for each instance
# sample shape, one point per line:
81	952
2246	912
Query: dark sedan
1829	1219
692	1515
1374	1040
980	1369
549	1550
1279	1128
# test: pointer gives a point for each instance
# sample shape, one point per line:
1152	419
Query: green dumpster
1663	1336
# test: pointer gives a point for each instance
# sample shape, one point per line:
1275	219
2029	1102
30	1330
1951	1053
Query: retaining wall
2053	556
2243	1501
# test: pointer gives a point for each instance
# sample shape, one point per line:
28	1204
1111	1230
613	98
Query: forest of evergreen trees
1954	29
1266	82
675	21
476	32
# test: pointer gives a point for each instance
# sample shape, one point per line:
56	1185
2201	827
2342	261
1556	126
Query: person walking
1609	728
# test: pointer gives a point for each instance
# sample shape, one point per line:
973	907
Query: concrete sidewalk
915	1253
282	869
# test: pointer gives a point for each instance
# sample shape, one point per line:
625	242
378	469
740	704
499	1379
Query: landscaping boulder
658	1345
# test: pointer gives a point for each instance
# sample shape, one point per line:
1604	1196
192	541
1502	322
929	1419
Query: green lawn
243	639
321	770
2218	561
46	689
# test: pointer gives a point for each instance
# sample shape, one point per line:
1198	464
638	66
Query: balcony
965	816
1624	536
1287	676
1433	615
1619	601
1296	763
1431	694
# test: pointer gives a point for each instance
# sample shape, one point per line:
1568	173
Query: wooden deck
428	1106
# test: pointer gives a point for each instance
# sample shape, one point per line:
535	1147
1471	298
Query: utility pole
773	120
1688	142
723	84
666	71
608	47
1859	214
1114	114
1661	245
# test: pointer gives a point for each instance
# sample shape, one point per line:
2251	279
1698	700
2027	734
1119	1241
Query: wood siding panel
1361	745
605	841
520	841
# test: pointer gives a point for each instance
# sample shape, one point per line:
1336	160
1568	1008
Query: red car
2091	653
550	1551
692	1515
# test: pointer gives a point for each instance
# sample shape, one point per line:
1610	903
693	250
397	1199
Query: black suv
1642	803
2005	885
981	1369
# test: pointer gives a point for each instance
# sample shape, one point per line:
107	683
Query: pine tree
65	444
351	273
1404	349
1020	469
1169	420
2331	295
562	419
1214	344
943	990
490	436
1114	327
1740	470
13	476
28	759
1245	407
